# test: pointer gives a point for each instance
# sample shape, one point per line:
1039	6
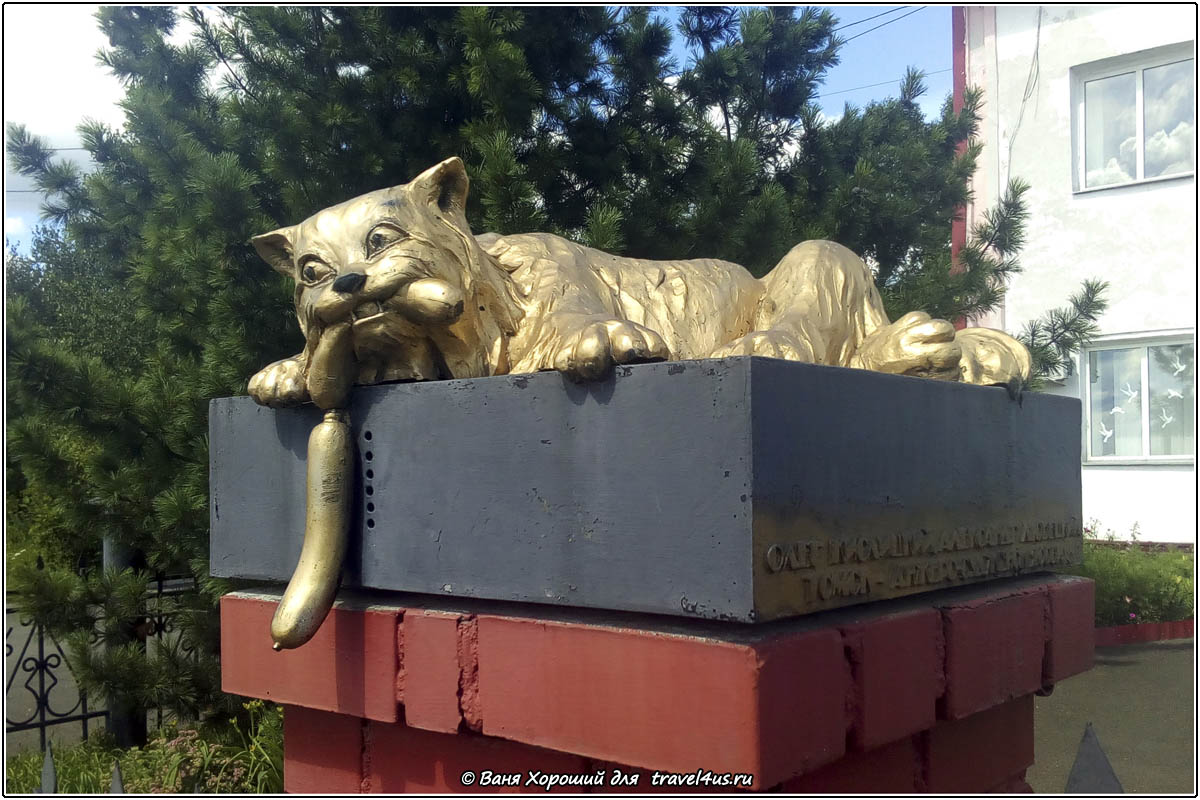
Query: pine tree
575	121
59	297
123	447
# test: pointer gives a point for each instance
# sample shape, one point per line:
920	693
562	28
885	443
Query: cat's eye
380	237
314	271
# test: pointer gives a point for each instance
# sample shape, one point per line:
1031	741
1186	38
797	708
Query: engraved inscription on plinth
823	572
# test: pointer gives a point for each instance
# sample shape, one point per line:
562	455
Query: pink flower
1133	616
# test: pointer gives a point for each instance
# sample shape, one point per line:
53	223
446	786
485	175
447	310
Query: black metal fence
37	694
41	661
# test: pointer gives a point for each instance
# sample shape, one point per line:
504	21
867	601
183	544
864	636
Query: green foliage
1056	336
77	296
759	68
110	608
59	300
37	526
887	184
56	598
244	758
81	769
1134	586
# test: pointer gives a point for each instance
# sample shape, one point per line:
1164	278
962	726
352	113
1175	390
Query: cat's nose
349	283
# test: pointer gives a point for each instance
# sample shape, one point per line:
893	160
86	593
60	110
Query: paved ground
1139	699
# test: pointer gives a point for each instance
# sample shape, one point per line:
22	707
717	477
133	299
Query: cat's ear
445	185
276	249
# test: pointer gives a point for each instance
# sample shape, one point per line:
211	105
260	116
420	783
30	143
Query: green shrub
81	769
1135	586
225	759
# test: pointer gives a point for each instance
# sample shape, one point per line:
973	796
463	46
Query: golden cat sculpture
392	285
398	273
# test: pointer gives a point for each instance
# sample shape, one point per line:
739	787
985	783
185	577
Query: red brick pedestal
929	694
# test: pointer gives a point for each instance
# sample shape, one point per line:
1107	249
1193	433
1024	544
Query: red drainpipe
958	34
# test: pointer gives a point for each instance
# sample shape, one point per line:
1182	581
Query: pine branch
213	43
1057	335
27	153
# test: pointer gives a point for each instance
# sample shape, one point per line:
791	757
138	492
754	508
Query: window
1140	402
1134	118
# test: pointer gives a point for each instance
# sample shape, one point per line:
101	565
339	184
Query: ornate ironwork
40	669
40	659
163	605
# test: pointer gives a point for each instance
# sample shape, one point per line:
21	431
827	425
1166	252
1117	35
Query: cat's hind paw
915	345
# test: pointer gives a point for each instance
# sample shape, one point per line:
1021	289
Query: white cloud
830	119
717	119
1168	153
51	77
1110	173
1128	154
52	82
22	212
1170	95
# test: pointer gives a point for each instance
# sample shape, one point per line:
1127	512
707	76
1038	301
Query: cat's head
399	265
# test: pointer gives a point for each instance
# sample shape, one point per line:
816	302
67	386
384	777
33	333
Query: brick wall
930	694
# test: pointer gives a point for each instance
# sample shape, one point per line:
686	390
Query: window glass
1116	397
1171	391
1168	93
1110	130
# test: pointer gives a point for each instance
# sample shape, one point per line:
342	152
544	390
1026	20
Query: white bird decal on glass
1174	394
1105	432
1166	418
1178	365
1130	393
1117	410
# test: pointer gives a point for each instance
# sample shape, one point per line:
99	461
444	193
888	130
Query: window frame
1136	63
1129	342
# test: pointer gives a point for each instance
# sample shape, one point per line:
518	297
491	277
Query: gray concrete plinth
743	489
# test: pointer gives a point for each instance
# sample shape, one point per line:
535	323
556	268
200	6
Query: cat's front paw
280	384
916	345
589	354
992	357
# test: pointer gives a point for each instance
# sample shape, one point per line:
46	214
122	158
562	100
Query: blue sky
882	49
908	37
49	53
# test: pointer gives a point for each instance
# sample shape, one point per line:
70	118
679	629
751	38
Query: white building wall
1140	238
